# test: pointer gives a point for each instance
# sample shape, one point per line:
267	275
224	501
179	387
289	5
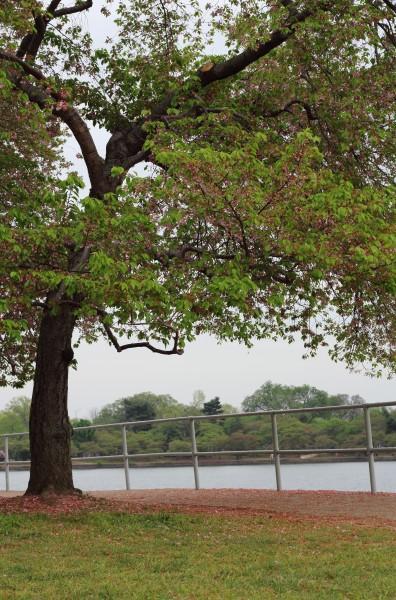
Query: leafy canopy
276	396
267	207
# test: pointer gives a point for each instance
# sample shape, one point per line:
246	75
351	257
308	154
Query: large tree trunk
50	430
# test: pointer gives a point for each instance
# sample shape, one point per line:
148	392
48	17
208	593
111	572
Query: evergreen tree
212	407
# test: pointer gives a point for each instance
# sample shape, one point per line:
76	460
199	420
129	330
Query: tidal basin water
349	476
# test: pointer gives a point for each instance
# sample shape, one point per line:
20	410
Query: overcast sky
229	371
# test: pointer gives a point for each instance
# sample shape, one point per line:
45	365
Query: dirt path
350	505
323	505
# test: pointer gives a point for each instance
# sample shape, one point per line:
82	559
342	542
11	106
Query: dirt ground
355	505
322	505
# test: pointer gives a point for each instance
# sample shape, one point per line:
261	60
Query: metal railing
194	454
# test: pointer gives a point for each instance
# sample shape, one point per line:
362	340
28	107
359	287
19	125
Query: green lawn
165	556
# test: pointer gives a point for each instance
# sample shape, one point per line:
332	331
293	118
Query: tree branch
45	97
131	161
53	6
73	9
182	252
390	5
121	348
68	114
28	69
30	44
207	74
310	113
215	72
390	35
94	162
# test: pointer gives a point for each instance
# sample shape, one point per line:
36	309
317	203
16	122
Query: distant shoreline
98	464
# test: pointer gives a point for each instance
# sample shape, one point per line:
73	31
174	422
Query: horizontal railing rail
275	452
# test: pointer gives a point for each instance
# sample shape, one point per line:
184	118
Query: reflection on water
352	476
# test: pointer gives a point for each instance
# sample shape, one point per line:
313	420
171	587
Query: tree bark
50	429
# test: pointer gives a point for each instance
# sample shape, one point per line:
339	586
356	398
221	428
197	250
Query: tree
198	400
212	407
86	435
15	417
275	396
268	204
142	406
390	420
270	396
139	409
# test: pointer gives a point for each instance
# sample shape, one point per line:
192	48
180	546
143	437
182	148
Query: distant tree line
329	429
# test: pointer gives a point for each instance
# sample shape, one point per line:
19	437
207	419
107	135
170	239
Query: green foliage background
333	429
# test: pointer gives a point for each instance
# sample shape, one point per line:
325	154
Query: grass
172	556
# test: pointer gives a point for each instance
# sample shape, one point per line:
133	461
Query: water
349	476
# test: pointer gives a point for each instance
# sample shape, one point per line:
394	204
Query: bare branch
390	35
182	253
28	69
38	304
308	109
36	94
390	4
174	350
73	9
53	6
139	157
82	134
31	43
121	348
11	363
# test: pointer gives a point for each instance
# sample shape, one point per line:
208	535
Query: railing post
275	445
194	455
7	464
370	449
126	459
